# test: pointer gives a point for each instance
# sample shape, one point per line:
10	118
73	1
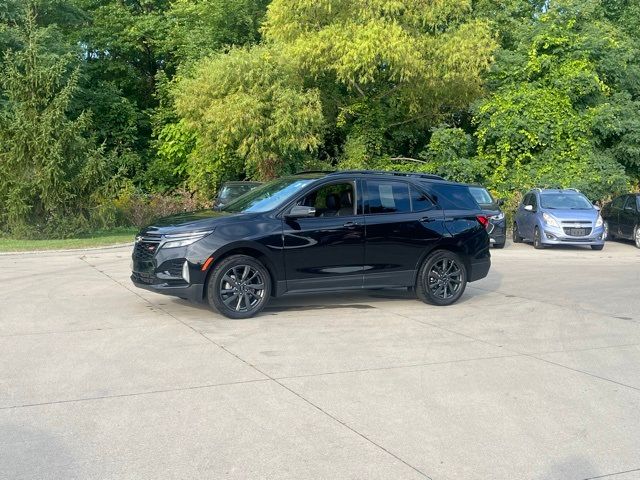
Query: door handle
350	225
427	219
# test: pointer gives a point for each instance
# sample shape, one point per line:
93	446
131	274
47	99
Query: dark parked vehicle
497	227
622	218
229	191
320	232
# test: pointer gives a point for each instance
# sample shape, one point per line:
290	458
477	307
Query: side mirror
528	208
597	207
500	202
300	211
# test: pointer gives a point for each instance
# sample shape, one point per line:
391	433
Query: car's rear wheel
442	278
239	287
636	235
515	234
499	245
537	239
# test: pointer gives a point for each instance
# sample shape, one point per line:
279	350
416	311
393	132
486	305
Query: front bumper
557	236
497	231
193	292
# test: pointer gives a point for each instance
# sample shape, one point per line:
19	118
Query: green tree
49	166
562	111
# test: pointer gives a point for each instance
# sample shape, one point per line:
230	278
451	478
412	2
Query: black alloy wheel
636	235
239	287
515	235
607	235
442	278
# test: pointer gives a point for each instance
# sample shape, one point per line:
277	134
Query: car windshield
568	201
233	191
268	196
481	195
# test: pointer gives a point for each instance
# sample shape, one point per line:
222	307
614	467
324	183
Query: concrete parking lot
535	374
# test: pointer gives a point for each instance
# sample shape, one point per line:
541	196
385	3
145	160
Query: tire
499	245
636	235
597	247
442	278
537	240
515	235
607	233
239	287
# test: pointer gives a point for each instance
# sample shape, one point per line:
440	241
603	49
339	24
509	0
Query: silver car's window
565	201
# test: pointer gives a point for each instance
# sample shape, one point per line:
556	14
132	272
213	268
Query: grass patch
95	239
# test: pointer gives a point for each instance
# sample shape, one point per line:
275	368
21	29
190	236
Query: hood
187	222
568	214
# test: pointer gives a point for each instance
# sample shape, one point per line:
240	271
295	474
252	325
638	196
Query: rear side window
454	197
388	197
420	201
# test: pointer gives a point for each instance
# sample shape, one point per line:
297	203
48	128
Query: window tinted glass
420	201
388	197
454	197
618	202
534	200
631	204
526	200
481	195
333	200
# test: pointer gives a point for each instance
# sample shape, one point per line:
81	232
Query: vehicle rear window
454	197
420	201
481	195
388	197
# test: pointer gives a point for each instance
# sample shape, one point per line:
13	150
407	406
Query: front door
326	251
628	217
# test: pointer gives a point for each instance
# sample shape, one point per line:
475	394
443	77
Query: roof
425	176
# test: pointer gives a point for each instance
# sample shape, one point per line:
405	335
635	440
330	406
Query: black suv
320	231
622	218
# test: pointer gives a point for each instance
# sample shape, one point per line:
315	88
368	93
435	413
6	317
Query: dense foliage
111	109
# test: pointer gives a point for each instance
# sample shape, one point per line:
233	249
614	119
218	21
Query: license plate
578	232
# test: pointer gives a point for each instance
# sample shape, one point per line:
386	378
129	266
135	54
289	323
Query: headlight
599	222
183	239
497	217
549	220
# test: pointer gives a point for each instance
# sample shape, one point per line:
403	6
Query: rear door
402	223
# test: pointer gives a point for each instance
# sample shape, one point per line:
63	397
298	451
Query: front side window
333	200
388	197
631	204
618	202
566	201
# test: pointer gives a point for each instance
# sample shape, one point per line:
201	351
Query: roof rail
383	172
314	171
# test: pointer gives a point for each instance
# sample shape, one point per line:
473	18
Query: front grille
146	248
146	278
577	232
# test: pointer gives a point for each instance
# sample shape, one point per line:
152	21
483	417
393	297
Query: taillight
484	220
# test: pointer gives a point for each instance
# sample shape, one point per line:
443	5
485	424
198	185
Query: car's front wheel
607	235
442	278
636	235
516	234
239	287
537	239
